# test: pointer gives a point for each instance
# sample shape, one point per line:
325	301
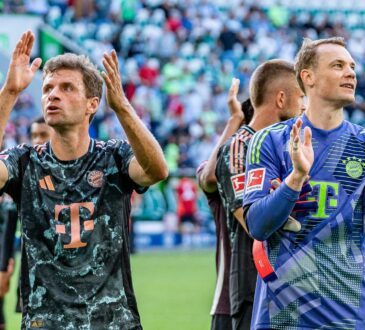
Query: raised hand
233	104
21	72
301	152
115	94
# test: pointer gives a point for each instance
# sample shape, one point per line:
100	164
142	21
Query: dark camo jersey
74	214
230	171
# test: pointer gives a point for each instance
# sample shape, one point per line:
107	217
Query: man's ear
280	99
93	104
307	77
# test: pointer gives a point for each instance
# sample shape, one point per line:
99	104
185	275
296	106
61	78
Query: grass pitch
174	290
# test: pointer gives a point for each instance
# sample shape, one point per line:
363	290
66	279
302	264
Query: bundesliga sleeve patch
255	179
238	184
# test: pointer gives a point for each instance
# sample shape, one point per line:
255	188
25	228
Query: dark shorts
242	320
221	322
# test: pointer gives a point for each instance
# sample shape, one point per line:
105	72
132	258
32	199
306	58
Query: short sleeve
14	159
123	155
262	163
230	171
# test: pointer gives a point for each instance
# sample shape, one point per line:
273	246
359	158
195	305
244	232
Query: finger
115	59
294	138
294	132
307	137
108	58
36	64
295	145
106	79
29	44
25	41
108	69
18	46
233	91
292	225
275	183
299	123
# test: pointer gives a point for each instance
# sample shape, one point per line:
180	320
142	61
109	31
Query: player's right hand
21	71
233	104
5	278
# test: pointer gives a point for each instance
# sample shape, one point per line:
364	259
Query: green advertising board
49	45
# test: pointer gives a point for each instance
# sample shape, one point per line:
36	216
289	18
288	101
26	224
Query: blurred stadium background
177	62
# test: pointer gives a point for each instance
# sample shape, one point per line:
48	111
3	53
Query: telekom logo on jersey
76	229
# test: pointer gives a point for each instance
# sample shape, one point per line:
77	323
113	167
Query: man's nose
53	94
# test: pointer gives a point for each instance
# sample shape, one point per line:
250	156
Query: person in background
275	96
220	311
39	133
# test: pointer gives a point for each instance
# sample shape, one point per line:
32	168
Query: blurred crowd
178	59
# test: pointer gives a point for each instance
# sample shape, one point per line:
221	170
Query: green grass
174	290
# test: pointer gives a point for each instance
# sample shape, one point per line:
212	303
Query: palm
303	159
301	152
115	94
233	103
21	72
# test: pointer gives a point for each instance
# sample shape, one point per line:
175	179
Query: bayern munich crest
95	179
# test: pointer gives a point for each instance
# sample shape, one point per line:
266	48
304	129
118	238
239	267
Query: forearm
268	214
208	180
146	149
7	102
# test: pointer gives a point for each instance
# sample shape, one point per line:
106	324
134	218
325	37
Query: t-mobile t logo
75	223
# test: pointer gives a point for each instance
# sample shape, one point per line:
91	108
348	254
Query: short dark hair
263	77
307	55
248	110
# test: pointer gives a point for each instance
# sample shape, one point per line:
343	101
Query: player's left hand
301	151
115	93
302	205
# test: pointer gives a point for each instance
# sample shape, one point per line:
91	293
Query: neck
263	116
323	115
70	145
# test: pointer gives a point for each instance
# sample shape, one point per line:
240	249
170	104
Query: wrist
9	93
123	106
295	180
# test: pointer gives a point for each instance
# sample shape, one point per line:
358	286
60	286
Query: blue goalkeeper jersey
320	269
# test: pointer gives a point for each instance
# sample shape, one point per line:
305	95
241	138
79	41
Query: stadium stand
178	59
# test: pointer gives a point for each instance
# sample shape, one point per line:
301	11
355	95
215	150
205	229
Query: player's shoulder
18	149
356	130
274	133
243	134
109	144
